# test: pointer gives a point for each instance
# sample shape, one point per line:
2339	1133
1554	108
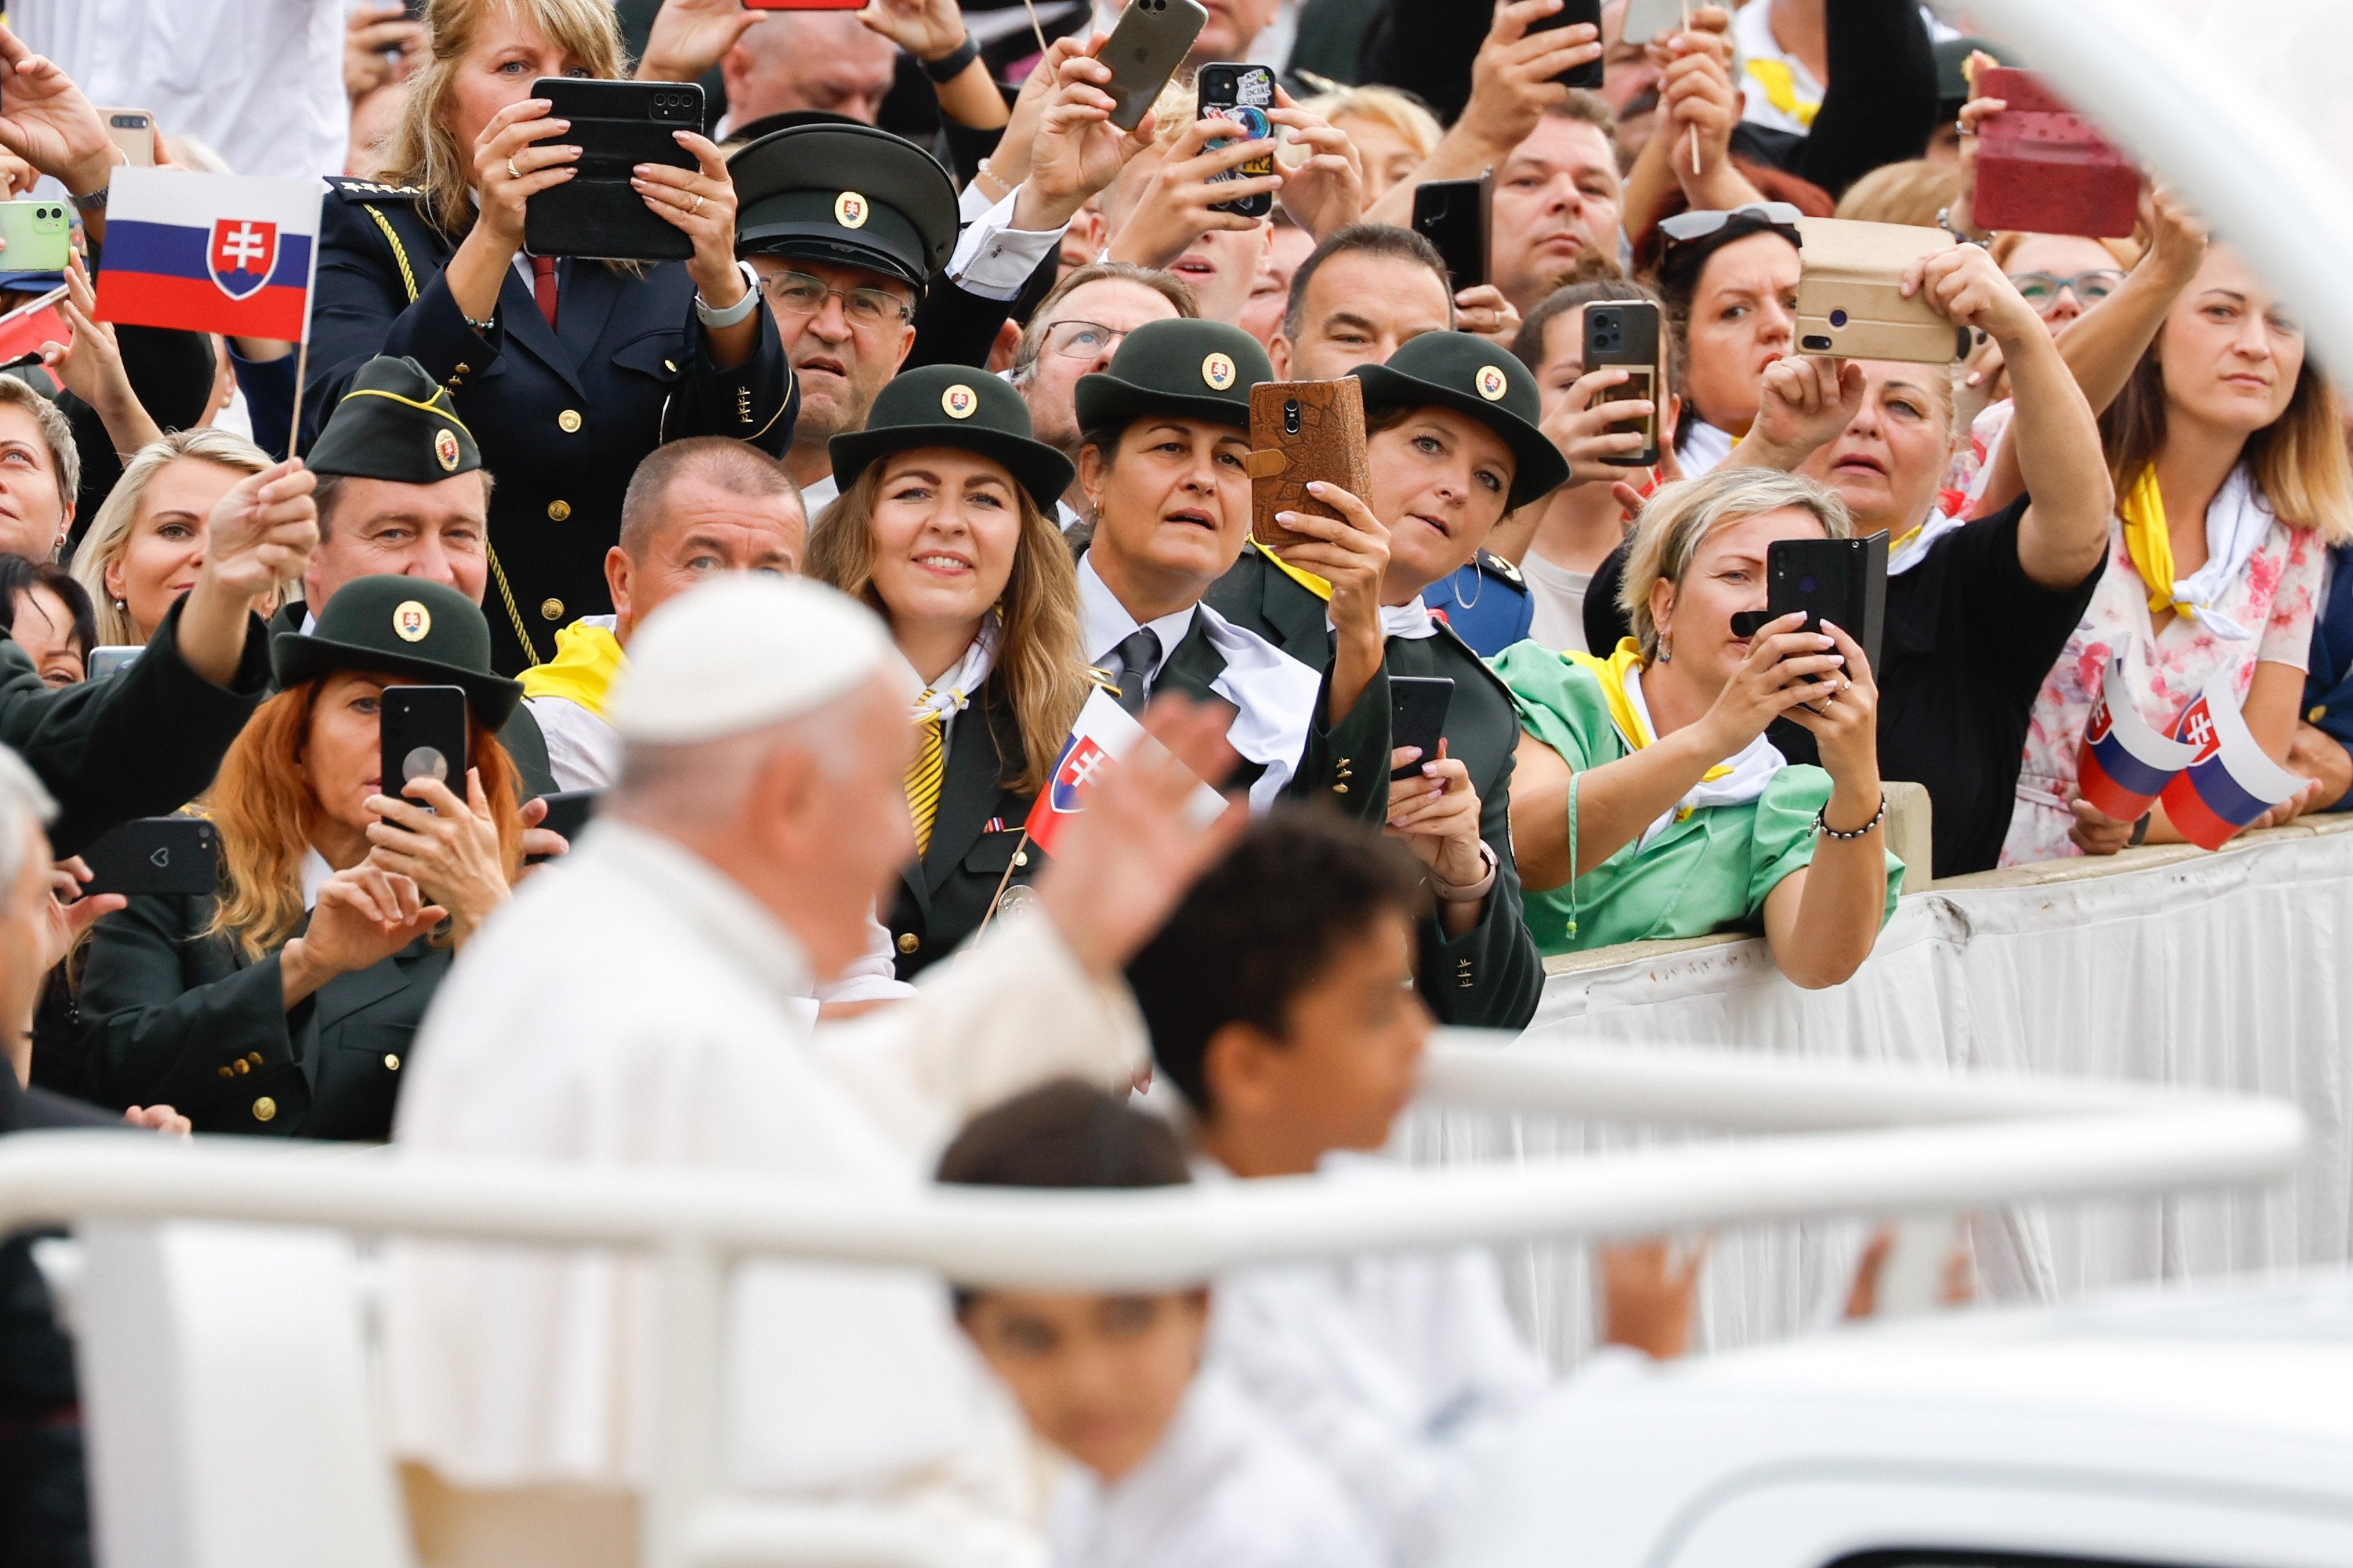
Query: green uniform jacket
976	837
143	744
1491	976
179	1018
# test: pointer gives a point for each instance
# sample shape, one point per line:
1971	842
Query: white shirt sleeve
872	976
993	259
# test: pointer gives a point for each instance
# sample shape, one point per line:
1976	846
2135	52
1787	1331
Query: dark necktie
1138	657
543	286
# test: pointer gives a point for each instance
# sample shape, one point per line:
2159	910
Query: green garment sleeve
1783	839
1348	764
1492	976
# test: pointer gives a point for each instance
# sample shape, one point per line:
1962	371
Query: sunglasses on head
1684	228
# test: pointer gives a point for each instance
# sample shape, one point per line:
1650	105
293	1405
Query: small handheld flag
210	253
1104	733
2125	763
2229	782
24	330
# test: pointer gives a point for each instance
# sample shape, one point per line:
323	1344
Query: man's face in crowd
842	359
705	529
439	532
1174	507
1114	306
1357	309
1270	292
1232	28
1098	1377
833	62
1556	200
33	517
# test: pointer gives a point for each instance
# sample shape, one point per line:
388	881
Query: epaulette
353	190
1491	561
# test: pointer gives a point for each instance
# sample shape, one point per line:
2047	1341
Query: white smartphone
1647	19
133	130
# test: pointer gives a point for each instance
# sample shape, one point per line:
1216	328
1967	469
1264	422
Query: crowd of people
797	563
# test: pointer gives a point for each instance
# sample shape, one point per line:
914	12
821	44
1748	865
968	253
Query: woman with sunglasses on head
1730	283
945	528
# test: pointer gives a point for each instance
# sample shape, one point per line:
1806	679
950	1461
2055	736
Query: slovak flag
2125	763
1105	733
2229	781
210	253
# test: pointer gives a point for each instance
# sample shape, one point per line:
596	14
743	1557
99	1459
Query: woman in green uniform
945	528
1649	803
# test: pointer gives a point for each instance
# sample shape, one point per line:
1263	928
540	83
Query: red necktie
543	286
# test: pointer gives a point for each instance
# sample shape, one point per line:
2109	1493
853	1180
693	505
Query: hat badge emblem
959	401
851	210
1218	371
411	621
445	449
1490	383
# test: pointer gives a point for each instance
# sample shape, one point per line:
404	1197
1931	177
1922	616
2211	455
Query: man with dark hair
1559	201
1175	1465
1366	289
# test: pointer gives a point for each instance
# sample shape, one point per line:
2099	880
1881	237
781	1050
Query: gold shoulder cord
498	573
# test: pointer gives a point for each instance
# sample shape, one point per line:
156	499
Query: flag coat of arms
2229	781
210	253
1104	733
2126	762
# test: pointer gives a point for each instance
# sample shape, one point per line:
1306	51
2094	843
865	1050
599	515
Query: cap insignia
445	447
411	621
1217	370
1490	383
959	401
851	210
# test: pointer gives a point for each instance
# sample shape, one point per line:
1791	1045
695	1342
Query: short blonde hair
1678	519
1400	112
57	435
109	531
1914	191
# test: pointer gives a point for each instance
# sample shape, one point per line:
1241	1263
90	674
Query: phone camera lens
1837	318
1290	416
1816	343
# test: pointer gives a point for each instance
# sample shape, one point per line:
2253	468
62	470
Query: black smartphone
178	855
1452	216
616	125
568	812
1843	580
1241	93
1626	333
1146	45
1417	705
1571	13
422	735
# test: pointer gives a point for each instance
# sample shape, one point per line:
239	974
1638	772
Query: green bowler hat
954	405
1190	370
1474	378
847	194
396	423
401	625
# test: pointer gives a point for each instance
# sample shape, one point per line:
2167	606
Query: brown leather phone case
1302	431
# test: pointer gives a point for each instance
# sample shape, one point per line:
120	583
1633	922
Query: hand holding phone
1146	45
1574	13
1454	217
1843	580
1626	333
1417	705
1850	299
1243	94
156	854
1302	432
616	125
422	734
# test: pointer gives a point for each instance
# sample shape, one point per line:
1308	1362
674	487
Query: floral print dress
2276	595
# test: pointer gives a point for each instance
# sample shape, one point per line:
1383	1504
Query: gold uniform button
226	1072
909	942
557	510
264	1109
670	365
568	421
1021	857
2319	712
391	1062
1339	789
254	1056
550	609
240	1066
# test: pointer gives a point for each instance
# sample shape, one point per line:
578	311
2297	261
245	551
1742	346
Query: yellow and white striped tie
925	773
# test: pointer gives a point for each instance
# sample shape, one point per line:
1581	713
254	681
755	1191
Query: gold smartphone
133	130
1850	302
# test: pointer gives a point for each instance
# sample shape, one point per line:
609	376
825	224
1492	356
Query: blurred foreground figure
636	1005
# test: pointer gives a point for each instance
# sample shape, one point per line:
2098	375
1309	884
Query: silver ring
513	172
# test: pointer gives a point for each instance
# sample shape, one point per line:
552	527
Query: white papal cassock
634	1006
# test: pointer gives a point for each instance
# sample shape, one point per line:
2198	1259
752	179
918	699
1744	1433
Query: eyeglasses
1685	227
2042	290
798	294
1081	340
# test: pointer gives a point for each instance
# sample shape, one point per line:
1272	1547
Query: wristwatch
950	65
735	312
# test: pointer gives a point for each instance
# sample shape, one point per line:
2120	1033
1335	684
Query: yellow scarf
1780	85
1319	586
587	660
2148	543
1612	673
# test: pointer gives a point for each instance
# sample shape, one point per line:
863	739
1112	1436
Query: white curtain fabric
2220	971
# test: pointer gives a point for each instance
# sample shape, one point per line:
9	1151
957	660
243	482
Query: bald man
827	60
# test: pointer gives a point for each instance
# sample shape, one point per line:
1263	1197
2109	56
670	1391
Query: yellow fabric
1319	586
587	660
1780	85
925	775
1612	673
2148	543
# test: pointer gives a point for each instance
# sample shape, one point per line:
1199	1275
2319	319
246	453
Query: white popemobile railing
228	1402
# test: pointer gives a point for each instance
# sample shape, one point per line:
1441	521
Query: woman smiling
142	549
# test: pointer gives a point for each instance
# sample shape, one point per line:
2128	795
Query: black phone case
1842	580
1452	215
422	718
616	125
1222	89
1417	705
1572	13
177	855
1626	333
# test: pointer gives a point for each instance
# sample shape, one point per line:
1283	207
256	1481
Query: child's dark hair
1065	1134
1262	926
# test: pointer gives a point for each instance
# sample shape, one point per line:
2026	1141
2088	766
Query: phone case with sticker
1302	431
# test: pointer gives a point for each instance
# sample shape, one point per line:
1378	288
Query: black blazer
177	1017
1492	976
562	416
977	845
